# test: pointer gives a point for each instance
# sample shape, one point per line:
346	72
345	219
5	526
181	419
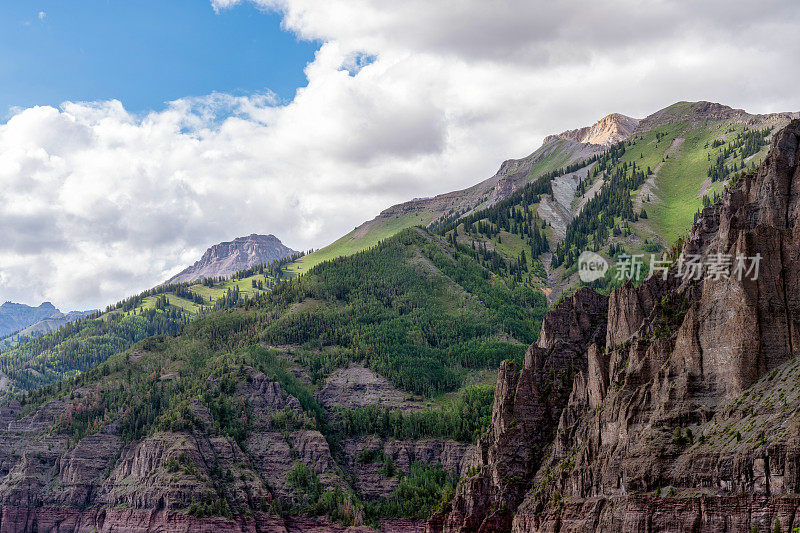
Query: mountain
227	258
688	147
634	197
527	224
351	394
24	321
555	153
608	130
14	316
43	326
667	406
355	393
34	357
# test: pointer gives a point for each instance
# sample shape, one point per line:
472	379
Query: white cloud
97	203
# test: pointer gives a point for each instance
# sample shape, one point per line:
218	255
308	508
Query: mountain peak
15	316
227	258
608	130
696	112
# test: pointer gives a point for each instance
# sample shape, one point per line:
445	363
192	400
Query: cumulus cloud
403	99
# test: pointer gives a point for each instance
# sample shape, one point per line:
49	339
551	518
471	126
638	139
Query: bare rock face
526	408
358	386
683	417
608	130
371	479
227	258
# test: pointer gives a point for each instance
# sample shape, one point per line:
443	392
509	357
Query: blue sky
142	53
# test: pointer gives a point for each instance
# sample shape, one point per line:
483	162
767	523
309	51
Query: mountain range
674	143
24	321
443	368
671	406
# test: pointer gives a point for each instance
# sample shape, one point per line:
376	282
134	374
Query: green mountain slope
636	197
414	309
513	174
666	165
81	345
678	144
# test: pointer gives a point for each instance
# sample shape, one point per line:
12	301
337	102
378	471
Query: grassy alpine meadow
361	238
680	155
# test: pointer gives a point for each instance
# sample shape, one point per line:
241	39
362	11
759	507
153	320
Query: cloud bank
403	99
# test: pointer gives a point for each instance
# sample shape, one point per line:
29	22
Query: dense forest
81	345
413	308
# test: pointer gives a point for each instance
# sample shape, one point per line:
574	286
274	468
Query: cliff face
105	483
51	480
682	415
227	258
526	407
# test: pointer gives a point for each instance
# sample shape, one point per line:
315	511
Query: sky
133	135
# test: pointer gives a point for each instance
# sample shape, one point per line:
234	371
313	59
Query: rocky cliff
227	258
194	478
608	130
681	408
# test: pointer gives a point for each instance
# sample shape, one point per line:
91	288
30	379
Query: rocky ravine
672	406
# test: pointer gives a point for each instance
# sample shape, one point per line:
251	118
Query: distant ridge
14	316
227	258
24	321
557	152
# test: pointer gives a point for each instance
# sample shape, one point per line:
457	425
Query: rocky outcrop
357	386
608	130
63	520
526	408
227	258
370	476
684	416
195	477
